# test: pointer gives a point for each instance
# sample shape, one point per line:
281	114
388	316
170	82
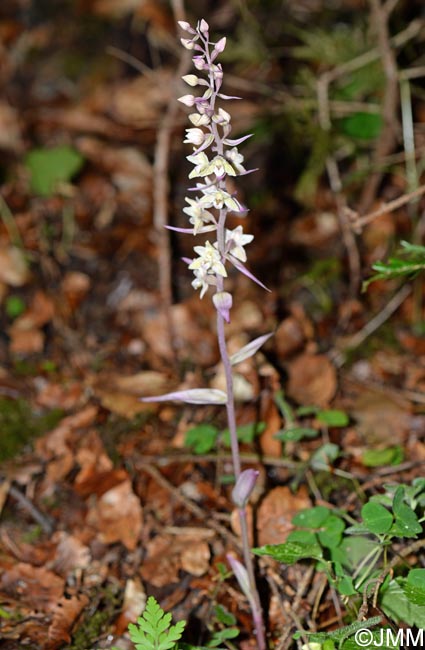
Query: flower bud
244	486
187	43
191	79
203	26
187	100
241	575
219	47
223	303
186	26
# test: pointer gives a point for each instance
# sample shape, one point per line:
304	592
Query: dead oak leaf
117	515
65	614
312	380
34	587
274	519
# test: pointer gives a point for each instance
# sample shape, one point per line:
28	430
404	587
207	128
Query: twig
376	322
336	187
388	136
412	548
357	222
161	190
187	503
282	644
44	521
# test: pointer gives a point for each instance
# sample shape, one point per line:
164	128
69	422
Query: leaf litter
89	338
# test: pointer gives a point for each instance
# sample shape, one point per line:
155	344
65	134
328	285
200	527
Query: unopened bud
187	100
191	79
244	487
203	26
223	303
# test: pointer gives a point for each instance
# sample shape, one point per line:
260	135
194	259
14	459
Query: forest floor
104	499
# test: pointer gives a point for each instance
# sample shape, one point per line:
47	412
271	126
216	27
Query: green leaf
414	587
14	306
332	533
48	167
333	418
224	616
399	608
201	438
295	434
406	521
312	517
290	552
365	126
379	457
246	433
153	631
376	518
324	456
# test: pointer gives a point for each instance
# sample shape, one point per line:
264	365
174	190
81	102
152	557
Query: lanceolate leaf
191	396
250	349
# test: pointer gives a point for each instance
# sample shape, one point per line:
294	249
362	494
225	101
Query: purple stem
256	609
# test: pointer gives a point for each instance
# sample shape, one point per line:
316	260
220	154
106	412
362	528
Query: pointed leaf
250	349
191	396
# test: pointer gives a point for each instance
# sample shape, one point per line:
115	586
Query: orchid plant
216	157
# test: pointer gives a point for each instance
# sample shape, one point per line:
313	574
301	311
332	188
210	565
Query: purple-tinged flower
187	100
187	27
203	26
223	303
244	487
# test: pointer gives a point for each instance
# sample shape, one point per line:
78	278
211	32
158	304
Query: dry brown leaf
13	266
382	419
162	564
117	515
75	287
133	604
10	129
195	558
312	380
276	511
65	613
289	337
35	587
70	554
28	341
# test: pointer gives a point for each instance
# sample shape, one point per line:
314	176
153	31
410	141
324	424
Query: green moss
19	425
97	618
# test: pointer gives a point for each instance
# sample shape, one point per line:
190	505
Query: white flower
222	117
216	198
202	280
199	120
198	215
209	259
195	136
218	166
202	164
236	159
235	242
